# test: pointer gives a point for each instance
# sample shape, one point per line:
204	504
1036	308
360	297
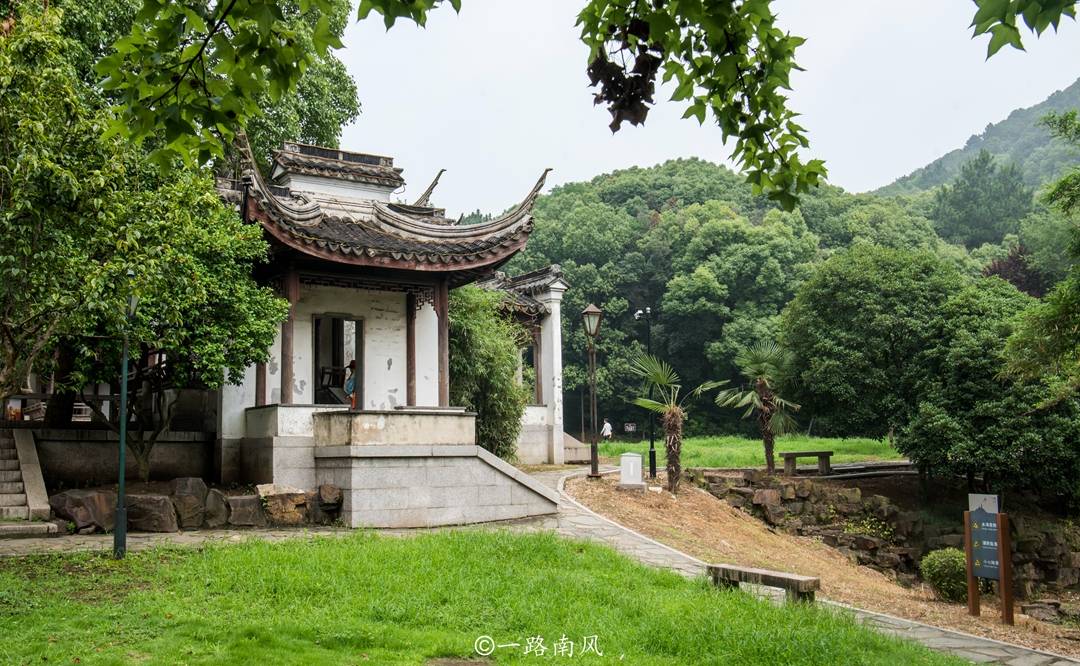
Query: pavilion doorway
338	340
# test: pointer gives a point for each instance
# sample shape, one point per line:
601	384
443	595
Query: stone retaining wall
874	532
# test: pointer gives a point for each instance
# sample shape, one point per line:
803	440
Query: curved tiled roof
521	290
376	233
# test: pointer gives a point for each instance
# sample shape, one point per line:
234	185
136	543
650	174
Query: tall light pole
591	317
120	521
646	314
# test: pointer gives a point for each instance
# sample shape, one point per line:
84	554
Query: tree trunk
769	440
61	405
673	424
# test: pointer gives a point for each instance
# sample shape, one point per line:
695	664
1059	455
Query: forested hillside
1019	139
717	266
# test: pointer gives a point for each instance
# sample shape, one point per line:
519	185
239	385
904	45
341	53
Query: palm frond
651	405
653	371
781	423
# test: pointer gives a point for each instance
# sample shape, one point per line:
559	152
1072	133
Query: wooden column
1005	577
260	384
292	294
442	309
410	349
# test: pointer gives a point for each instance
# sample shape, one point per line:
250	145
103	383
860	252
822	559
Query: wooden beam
260	384
442	309
410	349
292	294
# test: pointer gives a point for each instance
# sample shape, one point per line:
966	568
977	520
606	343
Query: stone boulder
286	508
217	509
151	513
767	497
246	511
189	500
86	508
324	504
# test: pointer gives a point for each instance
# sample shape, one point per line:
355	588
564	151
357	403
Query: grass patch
733	451
366	598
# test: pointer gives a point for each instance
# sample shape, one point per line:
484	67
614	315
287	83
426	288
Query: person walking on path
605	432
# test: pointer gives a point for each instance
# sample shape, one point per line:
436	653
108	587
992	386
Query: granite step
14	512
9	454
11	487
8	465
9	476
28	529
13	499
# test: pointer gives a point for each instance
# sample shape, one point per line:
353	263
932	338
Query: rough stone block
189	500
86	508
767	497
246	511
151	513
217	509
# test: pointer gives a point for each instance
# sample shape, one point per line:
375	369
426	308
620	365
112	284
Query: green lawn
731	451
365	598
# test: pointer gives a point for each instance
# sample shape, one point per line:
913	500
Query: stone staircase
13	504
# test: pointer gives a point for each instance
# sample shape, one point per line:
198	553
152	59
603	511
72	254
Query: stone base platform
429	486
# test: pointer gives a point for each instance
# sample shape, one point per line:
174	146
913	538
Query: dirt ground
697	523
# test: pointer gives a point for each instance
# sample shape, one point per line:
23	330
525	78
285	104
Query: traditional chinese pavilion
367	279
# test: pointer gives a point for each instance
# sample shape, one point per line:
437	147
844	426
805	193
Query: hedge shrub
945	571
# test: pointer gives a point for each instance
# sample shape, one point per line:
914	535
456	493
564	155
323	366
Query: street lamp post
120	521
591	317
646	314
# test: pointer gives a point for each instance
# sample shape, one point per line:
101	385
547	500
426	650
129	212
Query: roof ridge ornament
424	199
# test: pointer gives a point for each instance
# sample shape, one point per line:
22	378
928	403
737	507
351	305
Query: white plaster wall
233	400
337	188
383	316
535	436
427	357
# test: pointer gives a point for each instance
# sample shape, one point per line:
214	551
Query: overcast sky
496	94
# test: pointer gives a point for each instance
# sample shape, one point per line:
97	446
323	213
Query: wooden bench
823	457
798	588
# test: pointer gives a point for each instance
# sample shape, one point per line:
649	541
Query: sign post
989	552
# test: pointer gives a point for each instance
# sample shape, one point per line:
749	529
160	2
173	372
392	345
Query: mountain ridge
1019	139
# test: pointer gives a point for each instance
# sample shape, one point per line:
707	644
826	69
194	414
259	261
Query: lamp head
591	317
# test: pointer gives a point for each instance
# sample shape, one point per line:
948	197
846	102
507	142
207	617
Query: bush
485	346
945	571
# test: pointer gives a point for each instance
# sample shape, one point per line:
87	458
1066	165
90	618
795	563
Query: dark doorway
338	340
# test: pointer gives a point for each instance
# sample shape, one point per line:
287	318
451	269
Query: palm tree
769	368
661	379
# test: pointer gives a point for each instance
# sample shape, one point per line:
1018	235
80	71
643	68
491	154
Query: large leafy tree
986	202
59	184
767	367
81	211
1047	339
971	420
856	329
201	318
